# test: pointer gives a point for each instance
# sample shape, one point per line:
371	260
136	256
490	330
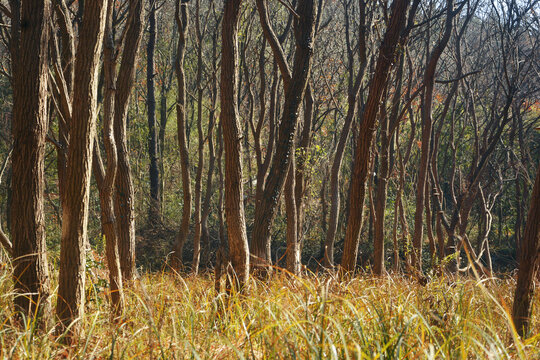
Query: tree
232	137
181	15
528	265
387	54
29	60
124	195
294	83
427	121
354	84
154	216
70	303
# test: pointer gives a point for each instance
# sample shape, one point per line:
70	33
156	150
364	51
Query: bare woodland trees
438	98
294	82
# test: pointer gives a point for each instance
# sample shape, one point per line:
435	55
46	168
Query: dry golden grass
173	317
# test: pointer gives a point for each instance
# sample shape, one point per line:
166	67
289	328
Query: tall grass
173	317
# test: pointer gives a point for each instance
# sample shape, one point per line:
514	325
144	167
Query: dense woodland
252	141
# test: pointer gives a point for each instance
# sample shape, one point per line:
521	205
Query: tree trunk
154	210
427	121
366	131
182	23
29	59
294	85
528	266
70	301
232	136
124	196
293	243
105	178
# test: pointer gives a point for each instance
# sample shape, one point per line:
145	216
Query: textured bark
293	242
105	177
70	303
29	128
181	15
386	57
124	195
295	83
154	210
64	75
232	136
528	266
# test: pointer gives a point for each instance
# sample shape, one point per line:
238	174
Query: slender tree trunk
427	121
200	165
528	266
302	163
70	301
124	195
105	178
366	131
182	23
232	136
29	59
154	210
293	243
66	63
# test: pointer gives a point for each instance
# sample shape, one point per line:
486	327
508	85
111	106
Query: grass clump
173	317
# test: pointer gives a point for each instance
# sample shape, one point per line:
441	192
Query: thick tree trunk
70	303
365	135
124	196
528	266
182	23
232	136
29	39
154	210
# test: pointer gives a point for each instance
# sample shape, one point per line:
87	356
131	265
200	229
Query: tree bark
70	302
181	15
293	243
124	196
154	210
427	121
105	177
528	266
387	54
294	86
232	136
29	58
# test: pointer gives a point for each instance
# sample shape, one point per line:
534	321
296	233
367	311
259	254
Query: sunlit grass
173	317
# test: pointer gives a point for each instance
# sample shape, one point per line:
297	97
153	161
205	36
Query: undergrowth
169	316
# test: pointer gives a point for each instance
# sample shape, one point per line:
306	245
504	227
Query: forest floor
174	317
